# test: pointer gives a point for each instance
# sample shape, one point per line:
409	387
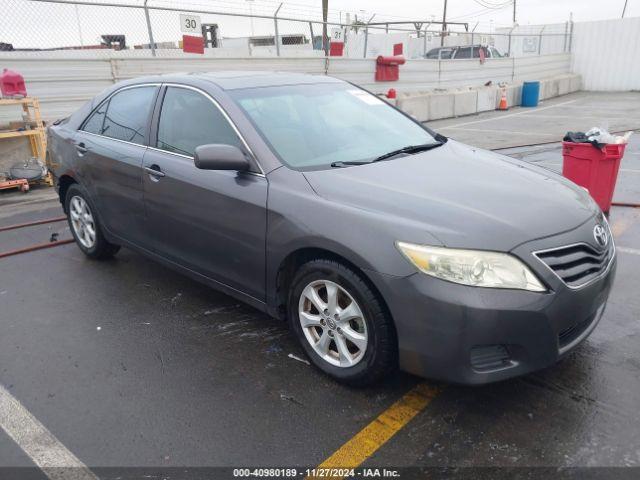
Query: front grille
578	264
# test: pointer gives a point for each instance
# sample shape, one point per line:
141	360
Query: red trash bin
593	168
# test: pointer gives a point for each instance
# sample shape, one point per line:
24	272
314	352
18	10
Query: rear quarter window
124	116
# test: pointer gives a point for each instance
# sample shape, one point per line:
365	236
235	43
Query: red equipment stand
21	183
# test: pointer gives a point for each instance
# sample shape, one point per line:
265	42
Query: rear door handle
154	170
81	148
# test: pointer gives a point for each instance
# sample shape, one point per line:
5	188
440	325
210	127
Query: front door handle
154	170
81	148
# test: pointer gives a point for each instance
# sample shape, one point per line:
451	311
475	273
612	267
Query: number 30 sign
190	24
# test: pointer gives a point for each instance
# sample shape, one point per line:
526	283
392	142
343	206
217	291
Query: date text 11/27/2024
315	473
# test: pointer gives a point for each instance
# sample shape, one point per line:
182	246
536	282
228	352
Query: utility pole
79	26
250	2
444	23
149	29
514	12
624	9
325	14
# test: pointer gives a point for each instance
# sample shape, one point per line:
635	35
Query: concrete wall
607	54
63	81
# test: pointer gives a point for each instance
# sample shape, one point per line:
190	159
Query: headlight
472	267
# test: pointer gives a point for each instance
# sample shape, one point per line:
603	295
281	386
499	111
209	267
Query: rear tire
352	337
85	225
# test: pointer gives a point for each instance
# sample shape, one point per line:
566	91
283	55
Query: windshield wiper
409	150
347	163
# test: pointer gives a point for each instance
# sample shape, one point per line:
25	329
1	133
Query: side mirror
217	156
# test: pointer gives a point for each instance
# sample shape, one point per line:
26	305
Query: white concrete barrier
441	105
486	98
438	104
465	102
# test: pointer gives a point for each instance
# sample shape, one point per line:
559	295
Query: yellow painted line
368	440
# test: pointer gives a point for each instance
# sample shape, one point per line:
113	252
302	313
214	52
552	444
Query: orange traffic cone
503	100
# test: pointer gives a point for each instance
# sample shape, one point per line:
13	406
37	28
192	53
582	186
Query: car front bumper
471	335
460	334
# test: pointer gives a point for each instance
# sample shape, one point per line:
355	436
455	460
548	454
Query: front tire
85	226
341	323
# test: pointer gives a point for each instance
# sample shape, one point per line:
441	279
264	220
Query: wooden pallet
36	134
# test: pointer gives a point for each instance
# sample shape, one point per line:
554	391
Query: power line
268	7
478	13
493	6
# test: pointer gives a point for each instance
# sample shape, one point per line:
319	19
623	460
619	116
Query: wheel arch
295	259
64	182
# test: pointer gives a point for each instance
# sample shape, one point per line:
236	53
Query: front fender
298	219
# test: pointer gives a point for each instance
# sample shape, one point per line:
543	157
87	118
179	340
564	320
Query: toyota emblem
600	235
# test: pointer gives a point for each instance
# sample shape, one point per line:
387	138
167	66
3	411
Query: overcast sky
527	11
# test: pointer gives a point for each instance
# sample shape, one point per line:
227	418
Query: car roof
235	80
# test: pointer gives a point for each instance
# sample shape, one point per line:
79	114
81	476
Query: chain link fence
156	28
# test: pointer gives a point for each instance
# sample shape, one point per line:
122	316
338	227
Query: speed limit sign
190	24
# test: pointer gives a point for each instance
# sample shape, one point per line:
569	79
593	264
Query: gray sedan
383	243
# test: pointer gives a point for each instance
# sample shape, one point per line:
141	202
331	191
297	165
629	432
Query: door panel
213	222
114	173
110	148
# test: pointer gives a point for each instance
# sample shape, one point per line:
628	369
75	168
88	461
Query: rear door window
96	120
446	53
124	116
463	52
189	119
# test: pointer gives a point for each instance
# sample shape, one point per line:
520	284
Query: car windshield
314	126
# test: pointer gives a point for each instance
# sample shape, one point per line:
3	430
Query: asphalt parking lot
129	364
580	111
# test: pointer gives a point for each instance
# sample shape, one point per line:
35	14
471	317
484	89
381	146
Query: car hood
465	197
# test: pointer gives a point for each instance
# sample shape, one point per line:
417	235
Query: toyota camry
384	244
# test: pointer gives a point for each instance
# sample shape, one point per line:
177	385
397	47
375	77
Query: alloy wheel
333	323
84	225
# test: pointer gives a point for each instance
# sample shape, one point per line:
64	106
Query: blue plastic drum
530	94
